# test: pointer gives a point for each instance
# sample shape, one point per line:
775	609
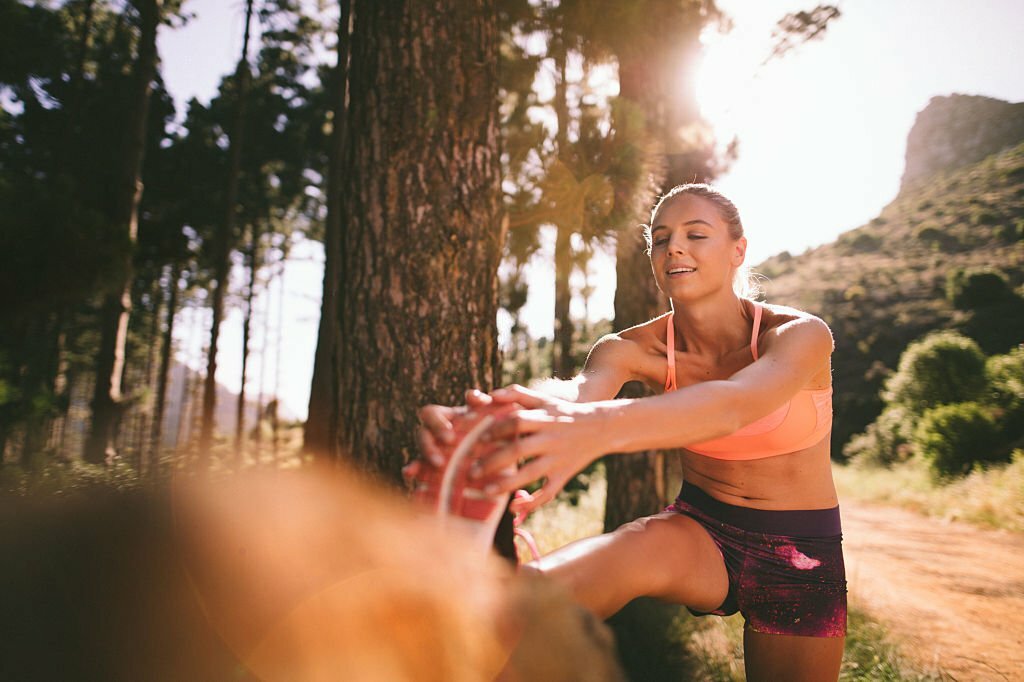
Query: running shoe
446	489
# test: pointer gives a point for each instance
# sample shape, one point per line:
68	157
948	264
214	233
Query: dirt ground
951	594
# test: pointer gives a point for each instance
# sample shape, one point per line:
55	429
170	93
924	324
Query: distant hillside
883	285
958	130
225	415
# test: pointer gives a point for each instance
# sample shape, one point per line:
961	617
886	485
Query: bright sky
821	131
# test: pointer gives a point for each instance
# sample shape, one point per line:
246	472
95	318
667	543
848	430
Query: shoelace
522	532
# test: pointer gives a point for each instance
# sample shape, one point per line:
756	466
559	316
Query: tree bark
320	436
418	297
638	483
100	445
225	235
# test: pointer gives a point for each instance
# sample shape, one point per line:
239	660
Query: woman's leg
791	658
668	556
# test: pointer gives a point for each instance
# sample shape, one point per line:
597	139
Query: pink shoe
446	490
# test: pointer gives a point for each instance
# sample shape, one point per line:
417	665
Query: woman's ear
740	252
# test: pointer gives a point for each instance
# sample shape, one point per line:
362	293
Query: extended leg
668	556
788	658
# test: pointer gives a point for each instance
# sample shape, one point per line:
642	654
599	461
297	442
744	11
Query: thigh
668	556
791	658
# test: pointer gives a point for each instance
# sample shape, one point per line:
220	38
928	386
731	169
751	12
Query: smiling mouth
680	271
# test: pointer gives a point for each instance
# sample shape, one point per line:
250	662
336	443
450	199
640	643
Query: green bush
941	368
953	438
1005	375
885	441
972	289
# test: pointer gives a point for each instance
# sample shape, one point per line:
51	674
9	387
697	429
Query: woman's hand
436	428
557	439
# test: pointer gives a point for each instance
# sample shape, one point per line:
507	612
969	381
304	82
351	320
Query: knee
649	530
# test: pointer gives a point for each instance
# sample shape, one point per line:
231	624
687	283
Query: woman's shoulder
778	320
635	343
646	335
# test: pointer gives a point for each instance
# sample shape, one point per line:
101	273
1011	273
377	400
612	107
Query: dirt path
951	594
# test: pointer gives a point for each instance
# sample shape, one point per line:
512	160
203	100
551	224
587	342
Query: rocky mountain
958	130
884	284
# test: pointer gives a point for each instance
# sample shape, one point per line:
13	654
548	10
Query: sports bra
800	423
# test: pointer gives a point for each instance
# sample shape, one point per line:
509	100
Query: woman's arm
612	362
560	439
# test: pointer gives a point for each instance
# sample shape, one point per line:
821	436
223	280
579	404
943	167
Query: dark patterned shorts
786	571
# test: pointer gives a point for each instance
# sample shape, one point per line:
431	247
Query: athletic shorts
786	571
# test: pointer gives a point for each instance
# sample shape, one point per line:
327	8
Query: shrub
984	218
935	237
1005	375
941	368
860	242
885	441
953	438
976	288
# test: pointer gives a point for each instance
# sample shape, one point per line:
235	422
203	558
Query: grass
708	649
992	497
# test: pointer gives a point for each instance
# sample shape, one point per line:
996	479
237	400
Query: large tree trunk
418	297
636	482
116	306
224	237
639	484
562	364
320	436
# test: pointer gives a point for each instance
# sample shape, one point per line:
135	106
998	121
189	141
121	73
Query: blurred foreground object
298	575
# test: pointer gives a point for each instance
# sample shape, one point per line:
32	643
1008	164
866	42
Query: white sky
821	132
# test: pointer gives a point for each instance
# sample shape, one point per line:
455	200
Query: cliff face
959	130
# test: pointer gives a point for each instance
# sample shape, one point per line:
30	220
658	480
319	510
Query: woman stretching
747	394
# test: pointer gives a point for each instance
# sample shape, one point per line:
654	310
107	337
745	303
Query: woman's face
692	253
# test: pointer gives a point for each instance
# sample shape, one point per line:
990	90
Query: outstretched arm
562	438
611	363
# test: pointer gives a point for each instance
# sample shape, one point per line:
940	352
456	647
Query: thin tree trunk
423	200
100	445
222	249
562	364
264	350
246	329
143	419
320	436
163	377
274	421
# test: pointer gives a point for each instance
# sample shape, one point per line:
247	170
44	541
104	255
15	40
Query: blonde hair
744	282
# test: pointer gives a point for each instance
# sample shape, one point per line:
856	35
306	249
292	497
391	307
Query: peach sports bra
800	423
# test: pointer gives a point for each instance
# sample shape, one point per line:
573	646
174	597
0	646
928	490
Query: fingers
477	398
412	469
520	441
532	471
519	394
539	498
429	447
517	424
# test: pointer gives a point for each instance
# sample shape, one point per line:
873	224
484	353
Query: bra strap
670	340
754	330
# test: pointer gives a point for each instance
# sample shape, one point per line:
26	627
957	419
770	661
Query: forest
121	213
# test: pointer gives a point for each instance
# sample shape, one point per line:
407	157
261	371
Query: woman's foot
446	489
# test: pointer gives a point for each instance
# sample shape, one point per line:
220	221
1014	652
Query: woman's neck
713	327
